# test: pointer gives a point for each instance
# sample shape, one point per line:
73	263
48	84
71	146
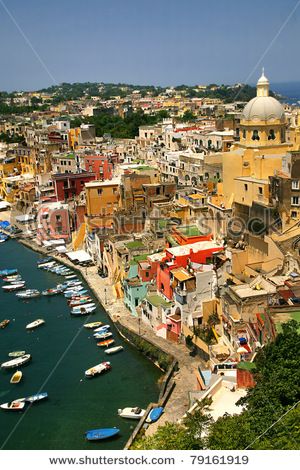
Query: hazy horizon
46	43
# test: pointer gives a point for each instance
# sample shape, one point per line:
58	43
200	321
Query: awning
79	255
182	274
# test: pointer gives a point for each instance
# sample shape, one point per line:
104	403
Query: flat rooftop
194	247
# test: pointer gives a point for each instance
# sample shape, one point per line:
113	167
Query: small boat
82	310
36	397
154	414
41	262
16	277
98	369
88	305
76	303
107	342
99	434
8	272
20	281
78	297
35	324
12	287
28	294
19	361
102	329
132	413
71	293
53	291
71	276
16	378
103	335
4	323
16	353
92	325
13	406
113	350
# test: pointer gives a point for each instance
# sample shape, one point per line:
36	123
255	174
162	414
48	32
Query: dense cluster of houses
195	225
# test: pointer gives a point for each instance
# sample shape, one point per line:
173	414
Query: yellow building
102	201
259	153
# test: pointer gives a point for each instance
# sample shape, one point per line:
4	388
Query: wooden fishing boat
102	329
16	377
16	353
8	272
107	342
4	323
92	325
13	287
104	335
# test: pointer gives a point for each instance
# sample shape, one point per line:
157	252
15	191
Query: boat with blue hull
100	434
8	272
154	414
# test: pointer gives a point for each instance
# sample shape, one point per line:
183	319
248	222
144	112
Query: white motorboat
82	310
98	369
35	324
13	287
102	329
13	406
28	294
104	335
19	361
131	413
79	307
113	350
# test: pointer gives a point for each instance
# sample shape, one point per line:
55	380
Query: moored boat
98	369
71	293
8	272
19	361
100	434
16	277
12	287
113	350
53	291
154	414
13	406
16	353
28	294
106	342
131	413
92	325
104	335
77	303
36	397
4	323
16	377
35	324
84	310
102	329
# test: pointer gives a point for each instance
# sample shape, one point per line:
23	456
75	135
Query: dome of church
263	107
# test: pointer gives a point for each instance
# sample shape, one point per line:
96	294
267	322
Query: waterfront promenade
185	377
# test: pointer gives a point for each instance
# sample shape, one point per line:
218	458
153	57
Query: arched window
271	135
255	135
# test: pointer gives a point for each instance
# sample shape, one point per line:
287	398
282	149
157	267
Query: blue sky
160	42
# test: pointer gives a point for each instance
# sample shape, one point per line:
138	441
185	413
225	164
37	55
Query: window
246	187
99	191
295	201
147	273
58	218
295	184
294	214
260	190
136	302
114	190
271	135
255	135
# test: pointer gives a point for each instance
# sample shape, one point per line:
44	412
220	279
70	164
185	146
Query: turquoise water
61	351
